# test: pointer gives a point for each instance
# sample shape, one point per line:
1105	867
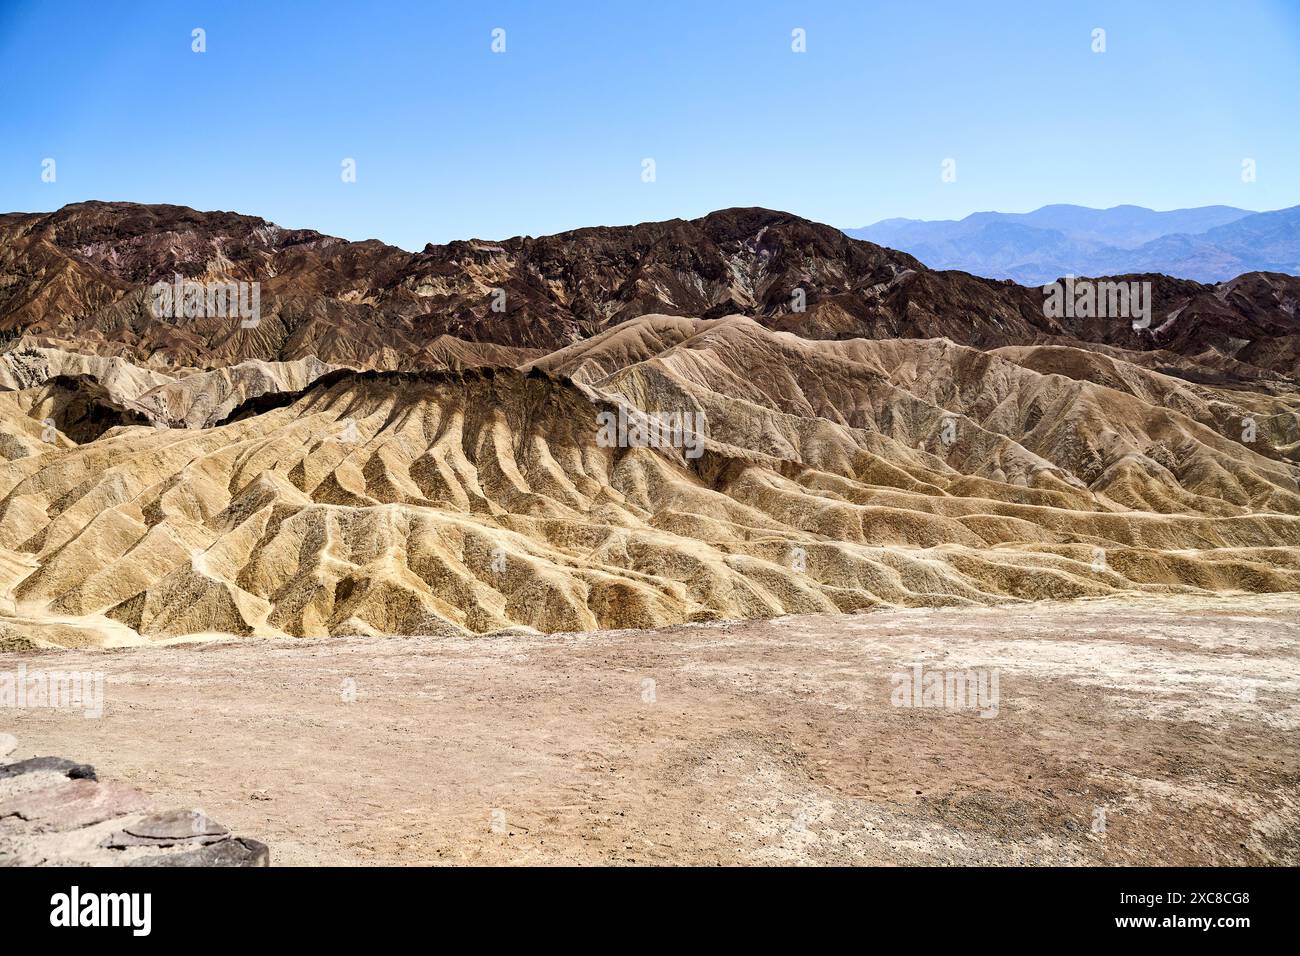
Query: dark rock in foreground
55	812
69	768
239	851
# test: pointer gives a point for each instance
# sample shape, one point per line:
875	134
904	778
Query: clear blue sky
452	140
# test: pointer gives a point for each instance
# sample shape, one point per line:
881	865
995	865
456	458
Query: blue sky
452	141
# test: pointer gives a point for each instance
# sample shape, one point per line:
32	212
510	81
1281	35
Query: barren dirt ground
1137	731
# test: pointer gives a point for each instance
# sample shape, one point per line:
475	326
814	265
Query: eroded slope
832	476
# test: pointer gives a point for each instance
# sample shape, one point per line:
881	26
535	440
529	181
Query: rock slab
56	812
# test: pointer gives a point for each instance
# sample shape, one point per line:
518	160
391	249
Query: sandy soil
1173	720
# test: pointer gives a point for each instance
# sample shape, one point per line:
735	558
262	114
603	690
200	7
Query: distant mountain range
1207	244
84	278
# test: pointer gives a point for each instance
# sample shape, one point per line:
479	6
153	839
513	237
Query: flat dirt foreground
1141	731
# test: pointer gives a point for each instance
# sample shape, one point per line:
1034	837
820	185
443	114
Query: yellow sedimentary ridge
833	476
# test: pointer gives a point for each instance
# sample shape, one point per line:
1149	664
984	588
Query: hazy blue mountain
1208	244
1264	242
1126	226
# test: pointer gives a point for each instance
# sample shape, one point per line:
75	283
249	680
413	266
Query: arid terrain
1136	731
815	476
490	490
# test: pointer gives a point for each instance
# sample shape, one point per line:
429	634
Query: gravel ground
1142	731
